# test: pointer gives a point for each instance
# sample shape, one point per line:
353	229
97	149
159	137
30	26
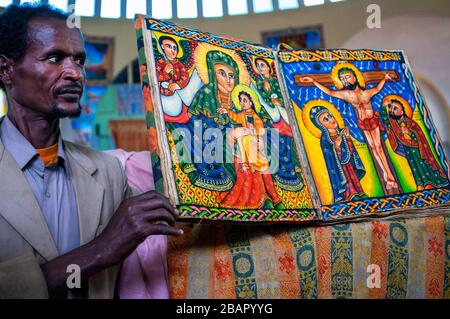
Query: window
85	8
287	4
237	7
162	9
260	6
110	9
212	8
4	3
60	4
187	9
312	2
136	6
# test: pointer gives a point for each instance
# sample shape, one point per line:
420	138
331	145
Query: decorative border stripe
200	257
397	277
221	271
337	55
266	271
178	264
289	276
341	261
434	245
303	242
190	212
192	34
243	264
361	258
416	273
323	248
423	199
379	256
447	257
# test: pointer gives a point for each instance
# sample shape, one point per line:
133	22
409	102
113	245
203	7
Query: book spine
300	147
161	152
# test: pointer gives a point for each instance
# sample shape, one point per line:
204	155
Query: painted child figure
254	183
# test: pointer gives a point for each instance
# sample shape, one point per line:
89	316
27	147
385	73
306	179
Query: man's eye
54	58
231	75
80	61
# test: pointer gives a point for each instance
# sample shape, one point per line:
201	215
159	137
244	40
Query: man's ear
6	68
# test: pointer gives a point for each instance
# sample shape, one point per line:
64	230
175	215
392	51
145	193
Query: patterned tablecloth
402	258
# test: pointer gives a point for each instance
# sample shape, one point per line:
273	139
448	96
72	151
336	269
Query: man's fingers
161	229
153	200
154	204
159	215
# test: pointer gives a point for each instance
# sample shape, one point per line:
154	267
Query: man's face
50	78
347	79
225	77
328	121
170	49
395	110
263	67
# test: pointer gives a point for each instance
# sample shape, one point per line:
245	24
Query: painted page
368	135
221	139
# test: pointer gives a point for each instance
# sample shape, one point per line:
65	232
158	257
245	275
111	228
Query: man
407	139
171	73
368	121
61	204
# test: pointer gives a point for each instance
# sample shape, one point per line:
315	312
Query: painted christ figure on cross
351	88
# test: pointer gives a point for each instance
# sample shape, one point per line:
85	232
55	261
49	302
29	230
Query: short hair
165	37
14	22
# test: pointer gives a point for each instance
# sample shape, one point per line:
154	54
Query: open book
240	132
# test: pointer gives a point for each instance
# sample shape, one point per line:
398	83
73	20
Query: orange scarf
49	155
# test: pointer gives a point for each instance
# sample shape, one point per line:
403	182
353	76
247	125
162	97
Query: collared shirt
52	186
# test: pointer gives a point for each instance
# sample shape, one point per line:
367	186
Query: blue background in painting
302	94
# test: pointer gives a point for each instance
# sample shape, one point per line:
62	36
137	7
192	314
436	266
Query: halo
406	105
235	97
314	130
202	68
180	49
335	74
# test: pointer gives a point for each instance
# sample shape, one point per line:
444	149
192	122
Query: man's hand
137	218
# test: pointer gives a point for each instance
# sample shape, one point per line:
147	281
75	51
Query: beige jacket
25	240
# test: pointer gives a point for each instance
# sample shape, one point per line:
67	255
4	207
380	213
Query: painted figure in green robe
407	139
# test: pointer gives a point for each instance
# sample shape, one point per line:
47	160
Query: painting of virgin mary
220	71
343	163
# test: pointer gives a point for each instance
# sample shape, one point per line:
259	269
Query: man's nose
72	71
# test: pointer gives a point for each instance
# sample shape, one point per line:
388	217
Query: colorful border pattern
337	55
259	215
192	34
423	199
